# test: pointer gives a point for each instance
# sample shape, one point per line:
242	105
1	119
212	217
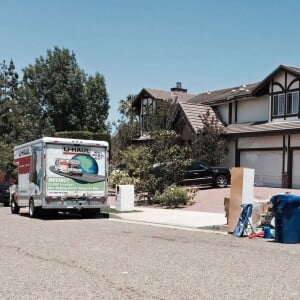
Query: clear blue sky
205	44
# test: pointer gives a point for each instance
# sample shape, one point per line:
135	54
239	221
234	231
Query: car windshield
197	165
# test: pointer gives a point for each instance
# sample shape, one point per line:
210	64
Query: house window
292	103
148	107
278	105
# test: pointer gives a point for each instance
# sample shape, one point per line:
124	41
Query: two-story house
262	122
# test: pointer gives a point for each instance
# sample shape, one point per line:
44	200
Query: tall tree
64	95
127	127
8	100
8	80
209	145
8	111
160	119
97	103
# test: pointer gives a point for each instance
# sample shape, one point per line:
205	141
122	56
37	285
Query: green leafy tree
8	121
140	160
127	128
66	99
8	98
54	96
170	157
160	119
8	80
97	104
134	162
209	145
163	148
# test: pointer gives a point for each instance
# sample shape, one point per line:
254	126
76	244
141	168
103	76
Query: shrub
173	196
120	177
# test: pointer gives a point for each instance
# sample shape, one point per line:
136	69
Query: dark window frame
147	108
281	109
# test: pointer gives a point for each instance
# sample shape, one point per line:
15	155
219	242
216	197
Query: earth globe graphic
87	164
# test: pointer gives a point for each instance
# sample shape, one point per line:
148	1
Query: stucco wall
279	78
290	78
295	140
253	110
223	109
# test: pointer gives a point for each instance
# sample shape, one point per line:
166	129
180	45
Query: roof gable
262	87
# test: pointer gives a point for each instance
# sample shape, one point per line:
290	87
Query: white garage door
296	170
267	165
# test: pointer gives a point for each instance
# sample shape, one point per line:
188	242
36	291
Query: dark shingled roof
254	128
224	95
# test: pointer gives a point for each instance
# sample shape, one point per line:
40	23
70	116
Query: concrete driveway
212	199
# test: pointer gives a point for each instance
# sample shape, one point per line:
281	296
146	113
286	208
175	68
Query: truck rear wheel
14	207
33	211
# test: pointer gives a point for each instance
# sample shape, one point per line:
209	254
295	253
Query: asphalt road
74	258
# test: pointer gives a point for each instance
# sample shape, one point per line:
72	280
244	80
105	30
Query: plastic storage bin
286	208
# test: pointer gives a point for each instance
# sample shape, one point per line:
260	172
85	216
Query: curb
114	216
220	229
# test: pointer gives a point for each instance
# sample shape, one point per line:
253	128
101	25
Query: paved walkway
174	217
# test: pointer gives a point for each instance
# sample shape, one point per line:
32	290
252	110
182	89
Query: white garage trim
267	165
296	169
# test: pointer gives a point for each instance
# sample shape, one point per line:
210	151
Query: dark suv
200	173
4	193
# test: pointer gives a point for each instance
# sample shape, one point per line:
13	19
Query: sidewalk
174	217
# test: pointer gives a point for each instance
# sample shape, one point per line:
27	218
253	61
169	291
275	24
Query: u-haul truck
58	174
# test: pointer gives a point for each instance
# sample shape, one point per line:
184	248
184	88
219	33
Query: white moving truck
46	185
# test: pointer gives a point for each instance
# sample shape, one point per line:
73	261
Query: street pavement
206	212
69	257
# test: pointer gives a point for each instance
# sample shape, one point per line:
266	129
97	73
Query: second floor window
285	104
148	107
292	103
278	105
